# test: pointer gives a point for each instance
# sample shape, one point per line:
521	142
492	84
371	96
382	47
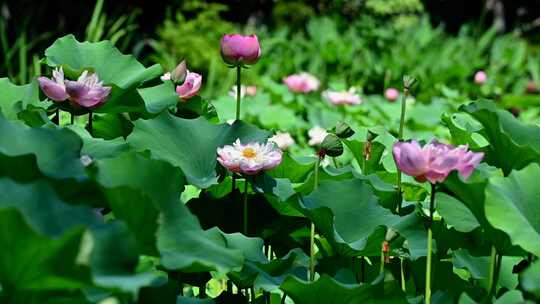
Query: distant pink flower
434	161
480	77
166	76
238	49
316	135
250	158
391	94
190	87
249	90
302	83
282	140
342	98
87	92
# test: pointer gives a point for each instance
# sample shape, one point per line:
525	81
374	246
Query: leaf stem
427	297
56	117
245	207
312	234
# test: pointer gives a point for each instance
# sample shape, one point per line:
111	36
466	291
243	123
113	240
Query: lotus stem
494	270
429	245
403	287
56	117
238	91
72	117
245	207
90	125
400	138
312	234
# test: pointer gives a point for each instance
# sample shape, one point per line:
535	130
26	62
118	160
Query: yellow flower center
249	153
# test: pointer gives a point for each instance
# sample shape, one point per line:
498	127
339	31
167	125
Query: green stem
381	269
245	207
334	160
90	124
429	245
312	234
72	118
56	118
400	138
402	275
494	270
238	91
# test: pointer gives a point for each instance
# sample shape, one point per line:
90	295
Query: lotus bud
178	75
343	130
332	145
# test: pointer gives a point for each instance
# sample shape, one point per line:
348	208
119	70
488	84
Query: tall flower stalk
312	231
237	51
433	162
408	81
429	245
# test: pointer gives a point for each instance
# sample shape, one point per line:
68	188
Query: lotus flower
237	49
190	87
434	161
87	92
302	83
391	94
250	158
342	98
316	135
282	140
54	88
480	77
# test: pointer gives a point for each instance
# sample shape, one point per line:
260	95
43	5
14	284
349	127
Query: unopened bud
178	75
408	81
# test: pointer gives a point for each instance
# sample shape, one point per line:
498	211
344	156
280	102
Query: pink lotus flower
87	92
250	158
190	87
480	77
302	83
316	135
391	94
282	140
238	49
342	98
434	161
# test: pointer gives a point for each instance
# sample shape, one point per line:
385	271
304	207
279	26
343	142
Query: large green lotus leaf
15	99
530	279
464	130
56	151
512	206
190	144
29	259
512	144
349	214
133	185
161	224
123	72
455	213
107	249
471	193
372	163
98	148
326	290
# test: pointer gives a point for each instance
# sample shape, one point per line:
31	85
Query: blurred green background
369	44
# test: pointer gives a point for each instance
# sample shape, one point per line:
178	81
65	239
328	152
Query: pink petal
52	89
